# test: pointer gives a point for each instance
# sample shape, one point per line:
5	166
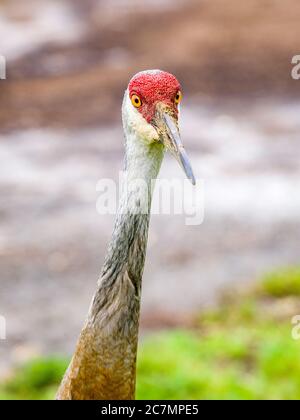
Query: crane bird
104	363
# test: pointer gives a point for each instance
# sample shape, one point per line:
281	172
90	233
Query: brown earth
216	48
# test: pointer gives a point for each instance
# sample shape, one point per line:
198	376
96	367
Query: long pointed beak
172	141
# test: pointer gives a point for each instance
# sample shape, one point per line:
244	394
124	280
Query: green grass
285	282
37	379
242	350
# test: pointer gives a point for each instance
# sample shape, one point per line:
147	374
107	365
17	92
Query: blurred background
217	304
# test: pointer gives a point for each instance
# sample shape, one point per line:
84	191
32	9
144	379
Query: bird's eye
178	97
136	101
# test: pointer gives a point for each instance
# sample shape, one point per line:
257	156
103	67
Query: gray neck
127	248
104	364
129	238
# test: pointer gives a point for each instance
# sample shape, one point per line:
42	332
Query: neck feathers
104	363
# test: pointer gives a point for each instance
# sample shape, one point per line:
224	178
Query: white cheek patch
137	123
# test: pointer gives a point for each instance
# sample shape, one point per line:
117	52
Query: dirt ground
61	132
216	48
53	242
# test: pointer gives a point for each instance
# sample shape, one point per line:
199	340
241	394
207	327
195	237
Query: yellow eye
178	97
135	100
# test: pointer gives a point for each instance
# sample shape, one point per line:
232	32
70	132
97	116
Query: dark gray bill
174	144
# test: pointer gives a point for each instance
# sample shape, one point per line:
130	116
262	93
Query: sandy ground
69	60
52	241
68	63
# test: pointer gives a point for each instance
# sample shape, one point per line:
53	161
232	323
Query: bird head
152	107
